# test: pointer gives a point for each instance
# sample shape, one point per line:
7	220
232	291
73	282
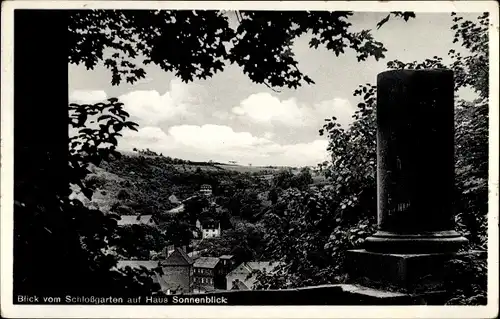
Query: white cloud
150	137
222	143
303	154
87	96
338	107
269	135
263	108
215	138
151	107
222	115
267	109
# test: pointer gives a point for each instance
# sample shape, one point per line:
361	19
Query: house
205	270
169	249
206	190
175	210
178	271
180	208
207	229
210	272
242	276
174	200
150	265
137	220
238	285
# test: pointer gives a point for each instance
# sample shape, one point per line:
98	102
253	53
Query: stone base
408	273
448	241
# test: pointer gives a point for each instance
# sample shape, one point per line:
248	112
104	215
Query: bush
124	210
94	181
123	194
467	280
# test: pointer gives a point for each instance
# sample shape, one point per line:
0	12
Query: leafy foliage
467	281
138	241
82	235
310	234
93	145
285	179
265	280
244	241
204	41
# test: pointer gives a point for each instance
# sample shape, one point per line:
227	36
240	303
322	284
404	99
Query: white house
207	229
206	190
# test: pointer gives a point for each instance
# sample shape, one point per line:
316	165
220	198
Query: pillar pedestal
446	241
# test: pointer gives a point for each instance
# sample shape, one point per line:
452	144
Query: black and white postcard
202	159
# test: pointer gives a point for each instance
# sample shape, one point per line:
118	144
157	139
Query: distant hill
189	165
142	184
249	169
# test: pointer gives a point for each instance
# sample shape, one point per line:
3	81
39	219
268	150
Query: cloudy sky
229	118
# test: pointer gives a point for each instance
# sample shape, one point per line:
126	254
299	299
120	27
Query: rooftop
149	264
173	199
135	220
206	262
177	209
238	285
177	258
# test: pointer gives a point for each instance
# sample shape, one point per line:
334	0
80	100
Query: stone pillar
415	163
415	168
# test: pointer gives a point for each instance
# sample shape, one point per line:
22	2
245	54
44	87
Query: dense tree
245	242
64	238
138	241
303	179
204	42
285	179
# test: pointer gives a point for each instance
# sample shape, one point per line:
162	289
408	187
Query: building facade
207	229
178	271
206	190
205	270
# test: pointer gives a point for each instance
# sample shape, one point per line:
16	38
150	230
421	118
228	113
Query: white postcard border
72	311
